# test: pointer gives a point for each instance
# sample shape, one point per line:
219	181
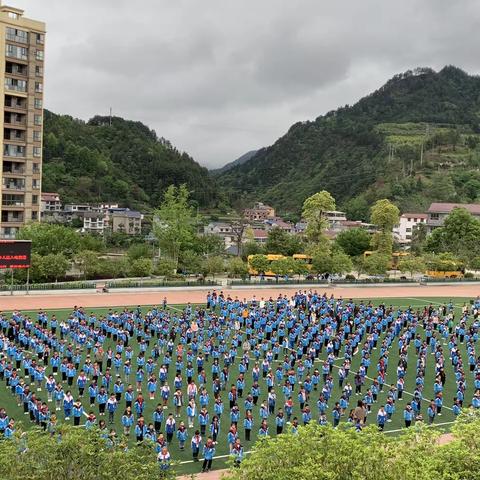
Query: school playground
396	295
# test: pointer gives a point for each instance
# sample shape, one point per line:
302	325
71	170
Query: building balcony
13	202
11	123
14	186
17	38
9	218
14	171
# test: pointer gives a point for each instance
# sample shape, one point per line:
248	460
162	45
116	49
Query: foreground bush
75	454
325	453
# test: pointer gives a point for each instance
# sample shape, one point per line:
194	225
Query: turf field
187	466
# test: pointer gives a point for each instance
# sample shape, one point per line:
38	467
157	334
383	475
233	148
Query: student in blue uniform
196	444
208	454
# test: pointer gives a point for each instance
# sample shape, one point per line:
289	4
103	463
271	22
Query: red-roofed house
50	202
260	235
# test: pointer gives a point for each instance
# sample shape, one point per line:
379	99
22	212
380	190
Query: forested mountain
116	160
414	140
239	161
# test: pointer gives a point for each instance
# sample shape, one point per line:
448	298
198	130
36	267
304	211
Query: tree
313	212
322	262
341	263
51	238
300	268
354	241
412	265
190	261
282	243
419	237
460	234
92	242
325	453
377	263
239	227
209	244
139	250
385	215
141	267
283	266
88	263
174	224
444	262
76	454
252	248
212	266
260	263
332	262
53	266
164	268
237	267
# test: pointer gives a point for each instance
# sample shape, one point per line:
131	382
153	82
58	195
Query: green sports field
187	466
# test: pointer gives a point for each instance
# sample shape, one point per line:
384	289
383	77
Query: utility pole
110	116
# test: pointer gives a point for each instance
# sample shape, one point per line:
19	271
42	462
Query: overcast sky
221	77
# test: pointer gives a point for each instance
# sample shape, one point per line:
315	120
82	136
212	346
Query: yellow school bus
447	274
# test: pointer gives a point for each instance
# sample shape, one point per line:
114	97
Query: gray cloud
221	77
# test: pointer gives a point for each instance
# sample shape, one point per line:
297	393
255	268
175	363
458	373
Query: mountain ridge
110	159
348	151
238	161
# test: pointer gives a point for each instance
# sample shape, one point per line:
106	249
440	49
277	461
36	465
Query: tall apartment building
22	43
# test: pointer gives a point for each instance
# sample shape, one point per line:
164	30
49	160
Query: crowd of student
294	350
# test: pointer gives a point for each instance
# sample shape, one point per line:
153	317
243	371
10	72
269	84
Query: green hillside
119	161
415	140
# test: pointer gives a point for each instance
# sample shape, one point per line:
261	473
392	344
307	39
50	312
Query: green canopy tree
141	267
53	266
174	222
341	263
236	267
190	262
322	262
283	266
332	262
252	248
139	250
51	238
354	241
76	454
213	265
208	244
419	237
300	268
460	234
260	263
412	265
376	264
385	215
314	208
88	263
281	242
328	453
